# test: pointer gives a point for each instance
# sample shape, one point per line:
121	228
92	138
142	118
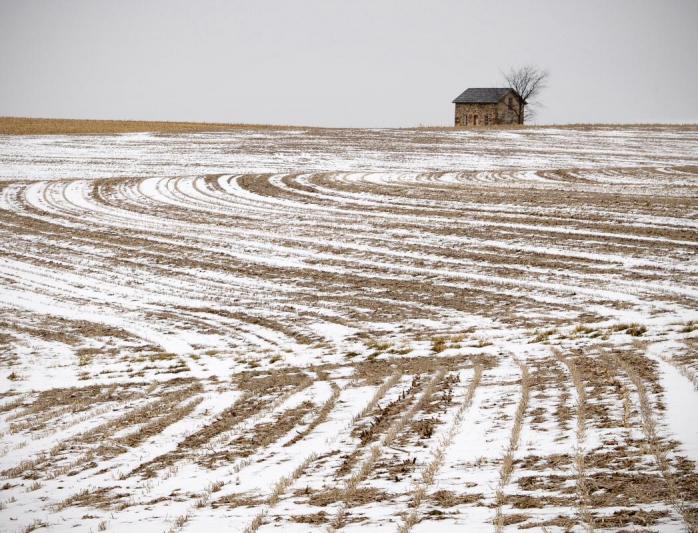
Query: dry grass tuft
322	415
438	344
380	392
36	524
633	329
582	487
438	455
581	329
179	523
257	522
690	326
285	482
508	459
280	487
649	426
542	336
376	451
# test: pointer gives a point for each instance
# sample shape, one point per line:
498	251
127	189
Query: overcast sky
343	62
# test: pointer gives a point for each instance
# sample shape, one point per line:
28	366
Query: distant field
50	126
304	329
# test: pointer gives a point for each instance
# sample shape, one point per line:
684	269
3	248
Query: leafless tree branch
528	82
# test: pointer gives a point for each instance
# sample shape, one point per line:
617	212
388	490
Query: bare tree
528	82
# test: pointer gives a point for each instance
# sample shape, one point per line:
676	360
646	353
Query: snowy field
355	330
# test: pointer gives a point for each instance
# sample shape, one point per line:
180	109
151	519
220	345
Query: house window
474	120
487	120
510	102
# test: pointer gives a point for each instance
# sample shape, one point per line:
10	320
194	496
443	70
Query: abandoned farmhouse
488	106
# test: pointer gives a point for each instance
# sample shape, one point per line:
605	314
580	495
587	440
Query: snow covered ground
360	330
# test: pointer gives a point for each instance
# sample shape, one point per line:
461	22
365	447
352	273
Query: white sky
343	62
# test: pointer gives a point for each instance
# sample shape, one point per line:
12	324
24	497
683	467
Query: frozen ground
360	330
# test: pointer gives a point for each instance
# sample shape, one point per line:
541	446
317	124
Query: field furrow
352	330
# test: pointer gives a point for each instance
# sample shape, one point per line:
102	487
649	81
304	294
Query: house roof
482	95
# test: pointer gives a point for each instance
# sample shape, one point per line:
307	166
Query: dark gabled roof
486	95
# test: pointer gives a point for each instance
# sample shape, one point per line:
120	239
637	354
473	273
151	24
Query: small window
487	120
474	120
511	101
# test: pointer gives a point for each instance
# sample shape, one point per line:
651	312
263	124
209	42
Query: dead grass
373	372
12	405
156	426
151	419
438	344
378	395
430	470
371	430
508	460
579	458
281	486
633	329
179	523
52	126
53	403
649	426
314	518
543	336
105	498
376	451
261	436
260	388
321	416
265	382
360	496
238	500
391	307
626	517
447	498
36	524
581	329
682	363
690	326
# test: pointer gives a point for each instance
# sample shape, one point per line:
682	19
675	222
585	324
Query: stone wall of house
488	114
508	113
476	114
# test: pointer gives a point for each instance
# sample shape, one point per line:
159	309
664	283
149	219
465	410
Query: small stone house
488	106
